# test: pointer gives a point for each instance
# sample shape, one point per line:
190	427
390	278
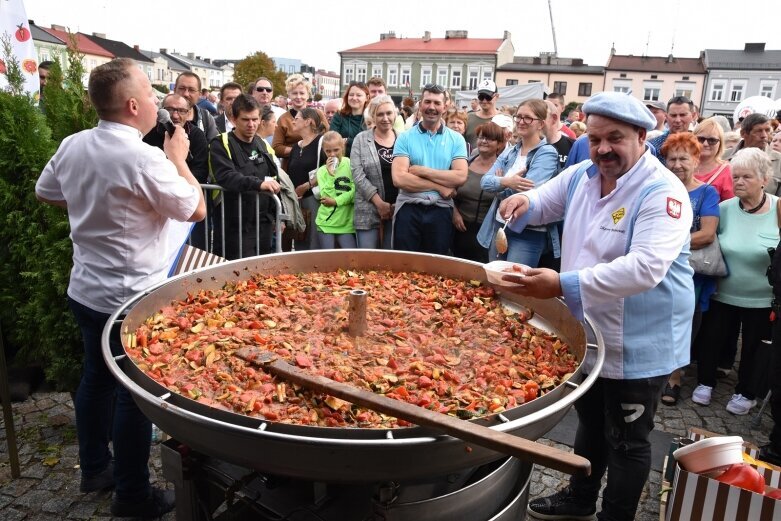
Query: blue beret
622	107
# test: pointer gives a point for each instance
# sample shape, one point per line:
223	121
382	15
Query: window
425	74
717	90
560	87
349	74
584	89
377	71
360	75
624	86
442	75
684	88
685	78
622	75
406	76
393	75
737	90
511	82
455	79
160	74
654	76
767	88
474	74
533	81
488	73
651	94
149	72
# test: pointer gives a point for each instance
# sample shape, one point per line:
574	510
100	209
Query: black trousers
775	383
719	324
615	419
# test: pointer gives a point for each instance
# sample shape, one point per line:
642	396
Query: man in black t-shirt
553	134
241	163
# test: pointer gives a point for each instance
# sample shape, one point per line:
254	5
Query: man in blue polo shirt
429	163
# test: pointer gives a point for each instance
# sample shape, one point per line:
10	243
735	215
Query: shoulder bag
709	259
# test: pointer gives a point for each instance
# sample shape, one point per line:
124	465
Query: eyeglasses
527	120
177	110
485	97
264	89
712	141
434	87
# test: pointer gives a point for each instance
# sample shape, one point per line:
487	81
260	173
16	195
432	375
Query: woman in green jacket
348	122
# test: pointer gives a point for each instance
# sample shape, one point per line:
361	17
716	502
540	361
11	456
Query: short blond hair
295	80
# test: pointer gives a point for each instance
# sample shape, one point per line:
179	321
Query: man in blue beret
624	263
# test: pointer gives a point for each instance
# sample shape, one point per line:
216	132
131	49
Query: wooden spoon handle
505	443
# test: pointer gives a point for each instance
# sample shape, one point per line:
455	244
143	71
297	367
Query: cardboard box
697	498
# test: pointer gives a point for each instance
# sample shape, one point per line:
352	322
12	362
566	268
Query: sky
304	30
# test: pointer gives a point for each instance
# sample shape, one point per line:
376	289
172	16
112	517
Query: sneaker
158	503
561	505
740	405
701	395
101	481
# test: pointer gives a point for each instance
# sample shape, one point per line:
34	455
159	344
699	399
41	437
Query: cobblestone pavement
49	486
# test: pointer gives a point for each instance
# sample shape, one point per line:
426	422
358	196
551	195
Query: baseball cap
503	120
656	105
486	87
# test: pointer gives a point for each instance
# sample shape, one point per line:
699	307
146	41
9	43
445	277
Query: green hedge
35	265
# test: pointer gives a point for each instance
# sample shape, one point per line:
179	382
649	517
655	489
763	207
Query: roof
669	64
42	36
731	59
193	62
328	74
565	69
432	46
85	45
118	49
173	64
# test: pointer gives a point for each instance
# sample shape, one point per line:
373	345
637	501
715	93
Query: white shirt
121	194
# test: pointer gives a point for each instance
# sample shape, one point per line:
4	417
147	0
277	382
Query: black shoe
101	481
561	505
769	455
158	503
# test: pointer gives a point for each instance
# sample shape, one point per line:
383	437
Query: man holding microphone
121	196
625	264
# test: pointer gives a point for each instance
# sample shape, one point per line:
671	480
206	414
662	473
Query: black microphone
164	118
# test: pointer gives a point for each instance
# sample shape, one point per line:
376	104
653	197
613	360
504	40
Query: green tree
35	265
259	64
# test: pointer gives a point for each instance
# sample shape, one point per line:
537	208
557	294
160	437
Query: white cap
487	87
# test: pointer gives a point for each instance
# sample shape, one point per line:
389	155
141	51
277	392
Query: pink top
722	183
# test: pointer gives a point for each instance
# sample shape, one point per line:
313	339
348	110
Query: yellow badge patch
618	215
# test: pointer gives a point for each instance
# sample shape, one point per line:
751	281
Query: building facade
287	65
655	78
47	46
734	75
569	77
326	84
456	61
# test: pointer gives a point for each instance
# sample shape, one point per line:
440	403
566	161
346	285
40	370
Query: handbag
709	259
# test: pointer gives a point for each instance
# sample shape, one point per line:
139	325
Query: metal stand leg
757	421
8	415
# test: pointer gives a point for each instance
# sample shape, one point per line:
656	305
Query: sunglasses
434	87
264	89
712	141
485	97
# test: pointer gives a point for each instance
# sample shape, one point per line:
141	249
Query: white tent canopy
512	95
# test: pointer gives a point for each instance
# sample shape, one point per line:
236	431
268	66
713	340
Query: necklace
757	207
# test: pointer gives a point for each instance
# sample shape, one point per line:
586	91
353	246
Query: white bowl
497	269
710	454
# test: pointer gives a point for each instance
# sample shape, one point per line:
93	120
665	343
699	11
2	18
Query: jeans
522	248
423	228
131	431
615	419
329	240
718	327
370	239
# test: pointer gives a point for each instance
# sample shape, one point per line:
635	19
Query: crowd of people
602	205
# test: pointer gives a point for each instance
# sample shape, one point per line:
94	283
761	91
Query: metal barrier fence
206	227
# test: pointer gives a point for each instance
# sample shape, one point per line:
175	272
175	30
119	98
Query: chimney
754	47
59	27
136	48
191	55
387	36
507	35
99	35
427	36
456	34
163	50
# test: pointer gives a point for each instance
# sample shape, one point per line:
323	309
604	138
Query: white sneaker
701	395
740	405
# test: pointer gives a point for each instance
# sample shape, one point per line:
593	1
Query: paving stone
18	487
54	481
58	504
82	510
45	403
33	498
12	514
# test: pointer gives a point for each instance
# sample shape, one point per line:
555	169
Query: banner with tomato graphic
13	23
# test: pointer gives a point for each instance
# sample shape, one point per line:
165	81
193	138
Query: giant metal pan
341	454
